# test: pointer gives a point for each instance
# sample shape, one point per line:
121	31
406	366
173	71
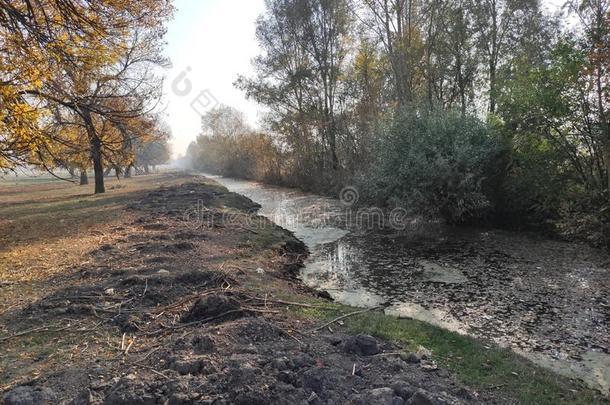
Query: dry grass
48	227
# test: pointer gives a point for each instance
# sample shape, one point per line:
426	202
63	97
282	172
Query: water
545	299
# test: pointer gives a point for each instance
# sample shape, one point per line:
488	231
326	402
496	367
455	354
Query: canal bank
546	300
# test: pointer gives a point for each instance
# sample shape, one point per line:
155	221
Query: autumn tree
298	77
94	65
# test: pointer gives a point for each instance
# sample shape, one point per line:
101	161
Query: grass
484	367
45	227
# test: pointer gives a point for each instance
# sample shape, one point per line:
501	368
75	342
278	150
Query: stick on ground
343	317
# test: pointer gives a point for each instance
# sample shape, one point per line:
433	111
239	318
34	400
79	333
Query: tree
298	77
504	27
91	60
395	24
595	19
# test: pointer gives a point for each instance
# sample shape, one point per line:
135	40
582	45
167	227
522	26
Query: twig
184	325
40	329
262	311
296	304
129	346
343	317
156	372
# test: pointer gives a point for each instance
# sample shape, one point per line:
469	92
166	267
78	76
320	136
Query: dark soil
164	312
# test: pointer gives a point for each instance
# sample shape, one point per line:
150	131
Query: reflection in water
547	300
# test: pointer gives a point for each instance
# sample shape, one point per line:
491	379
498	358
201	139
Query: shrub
433	164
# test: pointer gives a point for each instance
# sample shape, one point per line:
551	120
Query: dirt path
182	304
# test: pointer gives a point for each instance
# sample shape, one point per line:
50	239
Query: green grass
484	367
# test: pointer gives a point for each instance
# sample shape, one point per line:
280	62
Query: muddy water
547	300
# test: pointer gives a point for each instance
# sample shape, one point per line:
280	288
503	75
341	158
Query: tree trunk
146	170
83	178
128	172
98	167
492	88
96	153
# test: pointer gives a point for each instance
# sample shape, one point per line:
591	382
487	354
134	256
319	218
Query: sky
210	43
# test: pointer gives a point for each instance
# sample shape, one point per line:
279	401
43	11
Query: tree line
476	111
79	83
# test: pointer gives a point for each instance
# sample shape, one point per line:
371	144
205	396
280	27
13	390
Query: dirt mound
212	307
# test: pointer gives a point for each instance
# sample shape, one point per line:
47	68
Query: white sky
216	40
211	42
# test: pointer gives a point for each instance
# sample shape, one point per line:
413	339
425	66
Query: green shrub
433	164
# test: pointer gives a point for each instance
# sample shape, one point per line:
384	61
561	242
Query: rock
203	344
325	295
422	397
25	395
210	307
429	365
403	389
363	345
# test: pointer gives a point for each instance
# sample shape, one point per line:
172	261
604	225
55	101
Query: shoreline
160	309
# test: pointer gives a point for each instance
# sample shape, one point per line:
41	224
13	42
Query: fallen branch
184	325
33	330
296	304
157	372
343	317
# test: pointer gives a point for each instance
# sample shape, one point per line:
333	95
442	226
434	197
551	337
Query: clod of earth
211	306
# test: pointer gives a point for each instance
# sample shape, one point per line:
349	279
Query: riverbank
170	289
545	299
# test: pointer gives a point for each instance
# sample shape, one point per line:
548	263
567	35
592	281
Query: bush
433	164
251	156
586	219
